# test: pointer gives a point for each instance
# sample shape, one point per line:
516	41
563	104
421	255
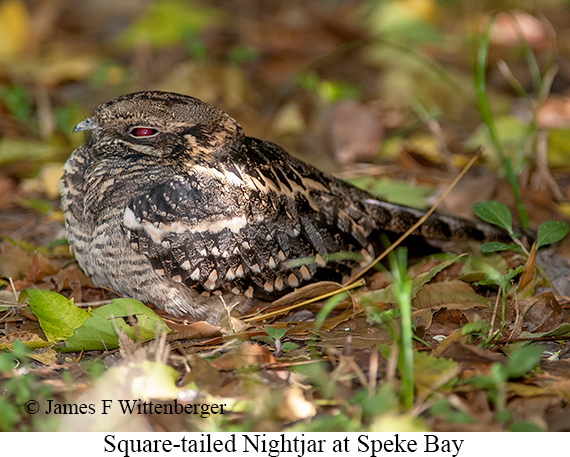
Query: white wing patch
158	231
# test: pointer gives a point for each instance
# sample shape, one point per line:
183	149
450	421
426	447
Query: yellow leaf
14	27
564	208
46	356
393	422
46	181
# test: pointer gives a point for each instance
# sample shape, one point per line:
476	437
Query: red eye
143	131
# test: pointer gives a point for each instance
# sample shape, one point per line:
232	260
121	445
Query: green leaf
101	330
170	22
264	338
399	192
14	150
523	360
276	333
58	316
288	346
562	330
443	408
475	327
433	373
495	246
550	232
524	427
495	213
17	100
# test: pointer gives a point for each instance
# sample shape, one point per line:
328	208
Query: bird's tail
398	219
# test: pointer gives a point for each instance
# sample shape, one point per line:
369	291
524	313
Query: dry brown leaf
247	354
533	408
452	294
7	189
554	112
192	330
24	337
40	267
513	26
456	336
304	328
362	338
293	405
203	374
467	353
355	131
539	314
306	293
422	319
46	356
528	272
72	278
14	262
445	321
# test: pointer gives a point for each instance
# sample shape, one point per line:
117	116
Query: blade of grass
322	315
403	293
480	73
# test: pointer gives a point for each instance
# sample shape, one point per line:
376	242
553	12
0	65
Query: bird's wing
258	230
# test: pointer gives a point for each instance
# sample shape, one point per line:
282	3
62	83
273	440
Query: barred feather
196	209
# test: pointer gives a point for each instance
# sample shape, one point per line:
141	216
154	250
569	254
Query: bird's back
183	216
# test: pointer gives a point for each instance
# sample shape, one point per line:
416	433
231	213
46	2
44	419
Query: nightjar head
161	123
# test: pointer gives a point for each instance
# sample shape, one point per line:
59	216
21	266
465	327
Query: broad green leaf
495	246
524	359
399	192
276	333
563	330
495	213
550	232
58	316
475	327
476	269
100	331
288	346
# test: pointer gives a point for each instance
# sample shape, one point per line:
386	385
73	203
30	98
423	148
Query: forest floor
394	96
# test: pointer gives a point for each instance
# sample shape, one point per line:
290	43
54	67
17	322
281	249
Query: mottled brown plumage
168	202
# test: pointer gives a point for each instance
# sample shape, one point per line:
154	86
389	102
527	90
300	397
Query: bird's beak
87	124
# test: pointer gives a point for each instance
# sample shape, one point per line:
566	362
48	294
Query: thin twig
306	302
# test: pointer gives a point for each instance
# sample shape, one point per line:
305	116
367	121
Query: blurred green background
335	82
